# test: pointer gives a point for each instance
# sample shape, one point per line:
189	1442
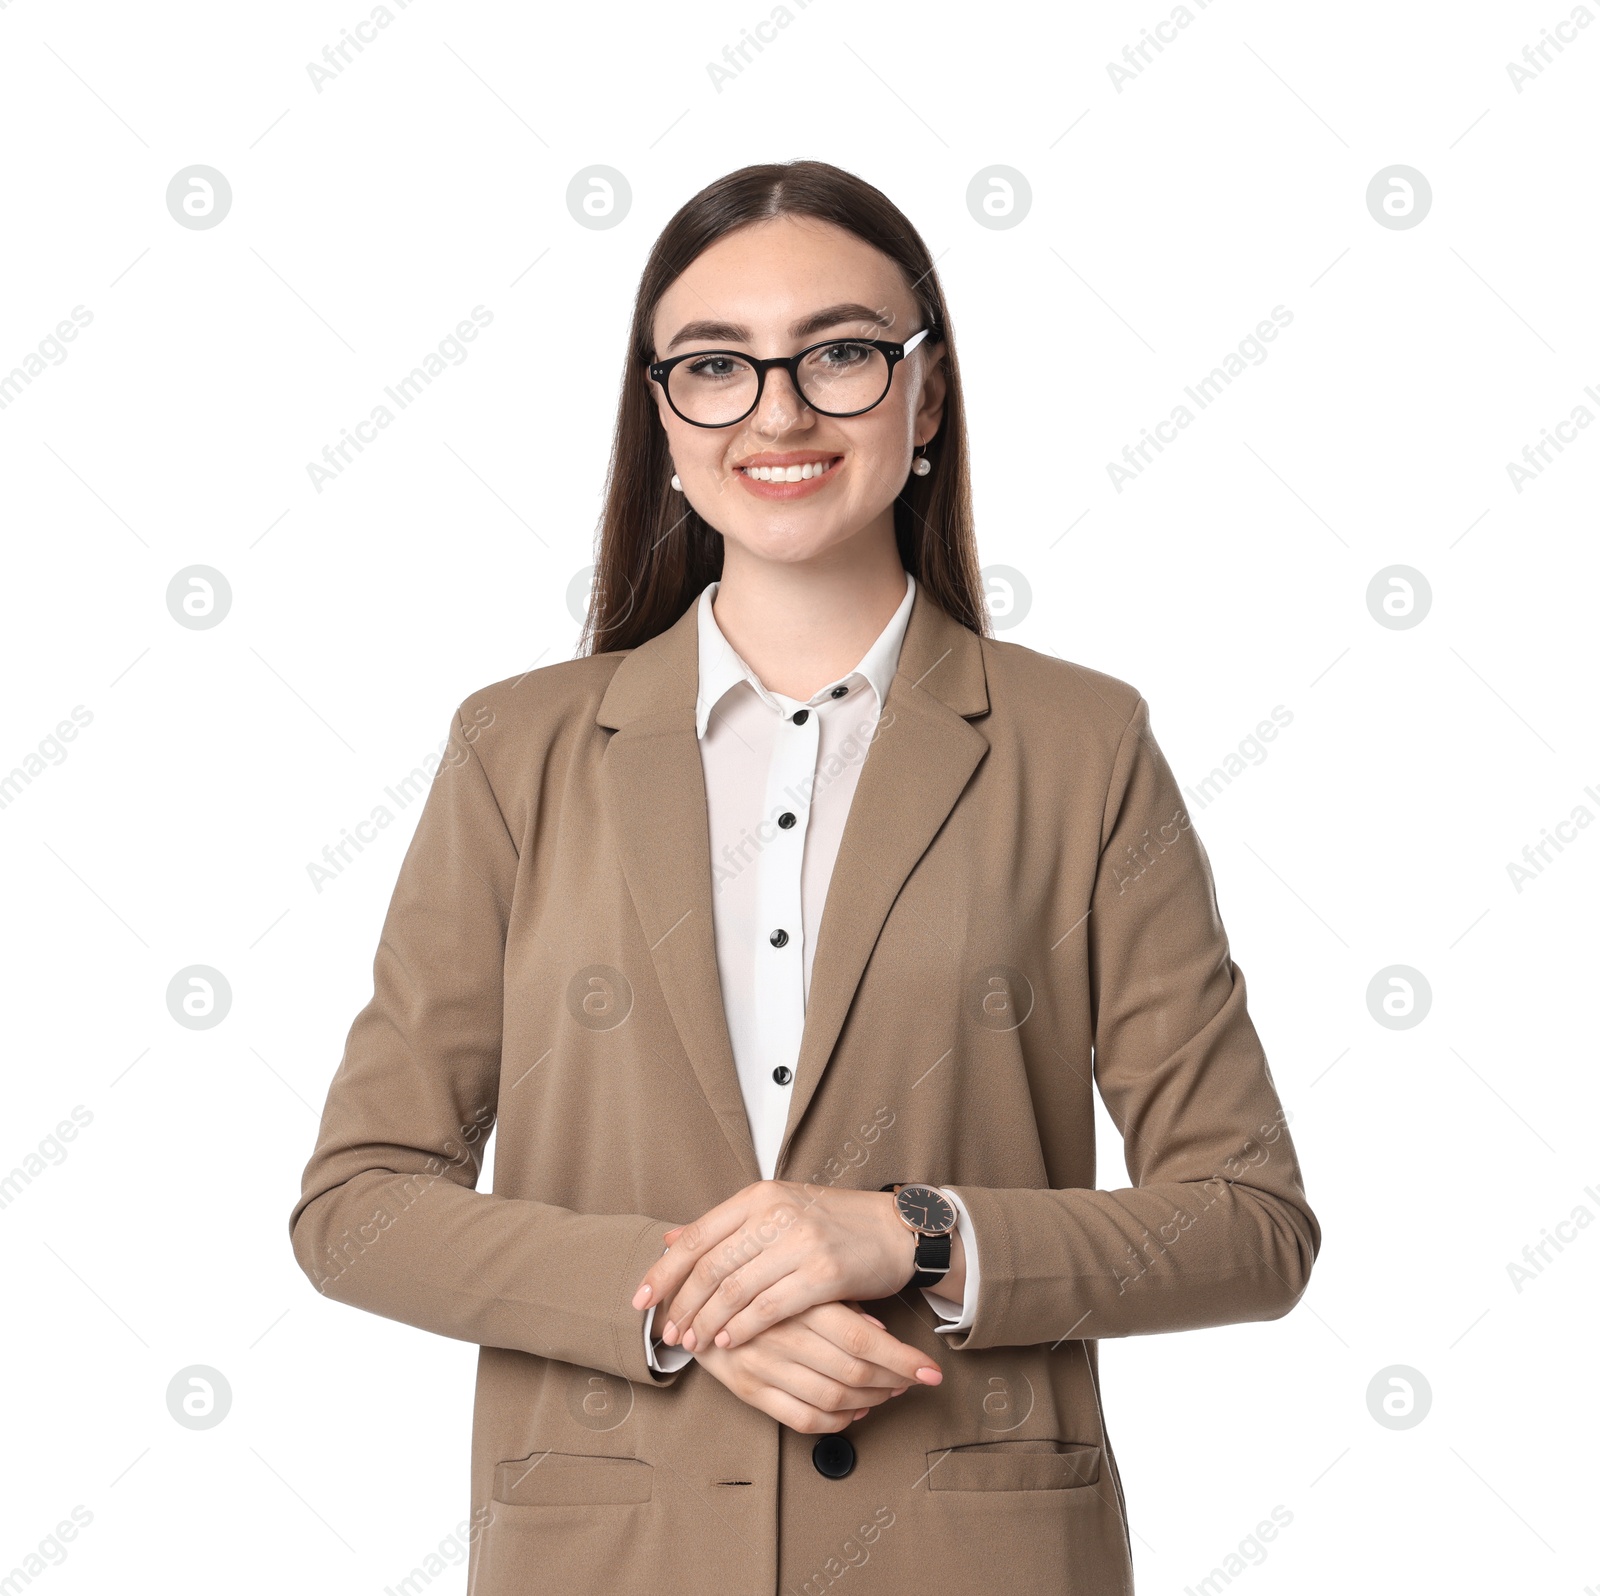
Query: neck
803	624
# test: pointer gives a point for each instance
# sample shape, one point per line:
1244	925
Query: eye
713	366
841	357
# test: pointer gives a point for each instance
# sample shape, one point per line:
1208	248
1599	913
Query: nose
781	408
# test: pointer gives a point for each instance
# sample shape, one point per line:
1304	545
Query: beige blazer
1020	910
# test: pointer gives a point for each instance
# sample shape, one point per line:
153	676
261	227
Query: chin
792	547
789	543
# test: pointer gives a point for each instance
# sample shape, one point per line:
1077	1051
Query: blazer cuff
1060	1267
962	1315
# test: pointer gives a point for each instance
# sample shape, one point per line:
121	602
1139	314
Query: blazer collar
653	787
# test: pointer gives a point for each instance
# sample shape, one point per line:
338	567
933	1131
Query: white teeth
794	473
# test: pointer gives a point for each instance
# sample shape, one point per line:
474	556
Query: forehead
768	274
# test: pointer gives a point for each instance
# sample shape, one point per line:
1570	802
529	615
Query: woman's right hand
818	1370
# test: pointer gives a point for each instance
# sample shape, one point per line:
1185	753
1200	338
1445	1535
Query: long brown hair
656	553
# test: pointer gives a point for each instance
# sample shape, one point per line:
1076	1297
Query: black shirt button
840	691
786	820
783	1075
801	716
834	1456
779	939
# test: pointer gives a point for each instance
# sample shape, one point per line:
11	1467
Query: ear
930	403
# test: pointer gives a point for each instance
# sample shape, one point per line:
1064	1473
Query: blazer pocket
1020	1465
571	1479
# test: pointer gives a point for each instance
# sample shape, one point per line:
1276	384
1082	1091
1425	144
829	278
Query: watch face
926	1210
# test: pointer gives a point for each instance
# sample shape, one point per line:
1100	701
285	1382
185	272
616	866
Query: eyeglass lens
719	388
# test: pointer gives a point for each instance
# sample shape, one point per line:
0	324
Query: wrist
955	1283
929	1219
901	1242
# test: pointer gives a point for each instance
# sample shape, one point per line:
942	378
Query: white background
1168	217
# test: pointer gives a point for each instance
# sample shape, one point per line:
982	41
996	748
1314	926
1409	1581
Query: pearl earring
922	465
677	485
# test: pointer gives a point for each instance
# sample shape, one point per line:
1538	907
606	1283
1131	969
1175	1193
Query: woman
718	1107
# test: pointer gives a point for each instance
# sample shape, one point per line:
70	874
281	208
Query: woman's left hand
770	1251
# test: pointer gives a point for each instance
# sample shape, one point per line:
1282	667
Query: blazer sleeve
388	1217
1216	1228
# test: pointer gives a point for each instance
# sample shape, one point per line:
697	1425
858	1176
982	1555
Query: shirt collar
721	668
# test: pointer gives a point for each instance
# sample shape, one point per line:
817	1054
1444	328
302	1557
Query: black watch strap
932	1261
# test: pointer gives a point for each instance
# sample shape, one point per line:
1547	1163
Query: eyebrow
731	332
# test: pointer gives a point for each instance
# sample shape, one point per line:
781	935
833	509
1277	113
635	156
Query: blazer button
779	939
783	1075
834	1456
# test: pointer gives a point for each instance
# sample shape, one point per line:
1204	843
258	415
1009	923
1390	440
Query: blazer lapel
919	763
654	791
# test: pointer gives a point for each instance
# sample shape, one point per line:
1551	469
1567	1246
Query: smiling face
775	288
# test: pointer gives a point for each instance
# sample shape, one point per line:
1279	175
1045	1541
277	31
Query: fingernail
724	1339
901	1390
669	1332
929	1376
863	1413
641	1296
879	1322
688	1340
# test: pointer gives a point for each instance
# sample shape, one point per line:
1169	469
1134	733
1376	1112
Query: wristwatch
932	1216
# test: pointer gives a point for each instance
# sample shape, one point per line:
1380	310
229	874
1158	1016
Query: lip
788	490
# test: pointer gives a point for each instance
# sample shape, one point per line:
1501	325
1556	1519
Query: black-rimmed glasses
838	377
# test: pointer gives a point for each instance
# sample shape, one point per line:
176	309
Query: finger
715	1245
749	1377
791	1366
662	1279
767	1249
831	1396
727	1281
851	1332
686	1248
789	1410
793	1341
764	1292
796	1340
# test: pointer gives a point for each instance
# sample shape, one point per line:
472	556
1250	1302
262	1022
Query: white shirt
777	796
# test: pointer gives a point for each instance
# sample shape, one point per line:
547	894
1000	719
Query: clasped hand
768	1253
759	1287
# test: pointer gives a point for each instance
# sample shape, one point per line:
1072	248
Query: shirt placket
780	956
